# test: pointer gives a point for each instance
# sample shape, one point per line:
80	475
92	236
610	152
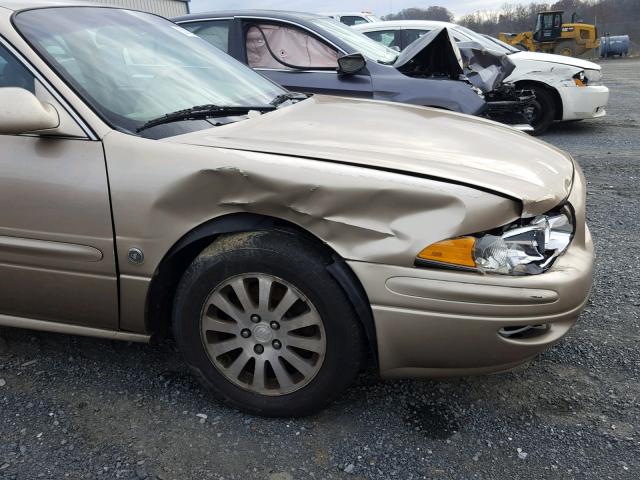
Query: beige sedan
150	183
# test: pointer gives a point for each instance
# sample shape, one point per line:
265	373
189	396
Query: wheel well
557	100
168	274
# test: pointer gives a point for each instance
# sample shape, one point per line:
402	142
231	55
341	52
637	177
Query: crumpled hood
551	58
486	69
435	52
407	139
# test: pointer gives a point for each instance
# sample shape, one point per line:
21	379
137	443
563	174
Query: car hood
551	58
405	139
435	52
486	69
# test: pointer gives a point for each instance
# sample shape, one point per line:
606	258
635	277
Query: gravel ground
84	408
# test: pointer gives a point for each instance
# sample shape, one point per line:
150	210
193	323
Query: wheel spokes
310	344
214	325
263	334
218	300
305	320
240	289
264	293
226	346
285	304
259	374
238	365
282	376
297	362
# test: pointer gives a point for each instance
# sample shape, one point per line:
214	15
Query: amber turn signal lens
579	82
457	251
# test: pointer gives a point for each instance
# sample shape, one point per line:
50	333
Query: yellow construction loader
552	36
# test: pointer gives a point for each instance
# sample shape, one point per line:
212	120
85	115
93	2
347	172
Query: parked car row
307	53
315	54
154	183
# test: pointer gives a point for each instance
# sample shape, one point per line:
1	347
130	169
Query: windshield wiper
283	97
202	112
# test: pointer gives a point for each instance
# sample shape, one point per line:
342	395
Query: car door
299	60
57	260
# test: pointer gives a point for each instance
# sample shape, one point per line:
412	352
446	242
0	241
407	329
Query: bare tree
430	13
617	17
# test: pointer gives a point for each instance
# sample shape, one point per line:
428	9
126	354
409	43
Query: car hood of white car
551	58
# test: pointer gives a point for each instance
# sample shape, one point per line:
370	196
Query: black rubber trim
420	262
343	274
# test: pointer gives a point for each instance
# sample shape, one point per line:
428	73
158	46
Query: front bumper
441	323
584	102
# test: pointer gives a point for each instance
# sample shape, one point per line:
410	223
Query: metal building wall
166	8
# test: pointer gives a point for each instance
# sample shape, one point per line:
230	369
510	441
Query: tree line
617	17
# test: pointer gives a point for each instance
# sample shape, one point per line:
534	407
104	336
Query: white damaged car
566	88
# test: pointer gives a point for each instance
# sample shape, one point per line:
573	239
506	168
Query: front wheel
264	325
542	111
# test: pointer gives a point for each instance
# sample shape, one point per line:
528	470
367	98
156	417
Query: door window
215	32
410	36
389	38
352	20
13	73
287	47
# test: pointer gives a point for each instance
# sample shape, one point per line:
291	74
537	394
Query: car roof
274	14
343	14
403	23
16	5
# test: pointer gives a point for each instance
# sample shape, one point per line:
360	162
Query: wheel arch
161	292
557	99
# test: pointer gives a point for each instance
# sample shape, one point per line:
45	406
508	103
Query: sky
379	7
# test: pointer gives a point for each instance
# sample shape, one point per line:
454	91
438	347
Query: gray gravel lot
83	408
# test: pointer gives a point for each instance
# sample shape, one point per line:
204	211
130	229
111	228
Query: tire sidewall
547	110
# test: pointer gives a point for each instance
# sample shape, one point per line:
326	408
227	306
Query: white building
166	8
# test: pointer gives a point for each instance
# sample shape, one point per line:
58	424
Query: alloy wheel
263	334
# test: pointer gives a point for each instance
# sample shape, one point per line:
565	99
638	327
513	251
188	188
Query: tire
273	382
544	110
565	48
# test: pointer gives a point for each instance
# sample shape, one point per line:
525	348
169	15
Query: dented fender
362	214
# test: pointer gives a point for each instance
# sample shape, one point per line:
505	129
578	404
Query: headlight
593	77
580	79
526	247
588	77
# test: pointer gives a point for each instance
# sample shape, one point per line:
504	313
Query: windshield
506	46
132	67
487	43
357	40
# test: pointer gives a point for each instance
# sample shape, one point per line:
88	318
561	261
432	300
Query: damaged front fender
362	214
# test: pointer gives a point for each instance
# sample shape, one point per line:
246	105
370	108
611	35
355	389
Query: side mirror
396	48
351	64
22	112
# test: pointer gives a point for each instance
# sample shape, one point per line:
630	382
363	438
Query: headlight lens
580	79
588	78
593	77
527	247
